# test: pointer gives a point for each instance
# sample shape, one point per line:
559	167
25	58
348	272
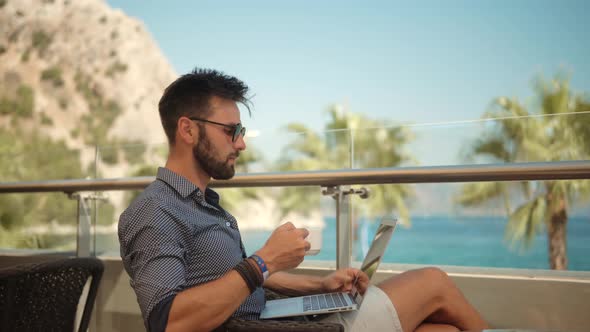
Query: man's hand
342	281
285	248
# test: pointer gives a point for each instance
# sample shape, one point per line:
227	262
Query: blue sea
460	241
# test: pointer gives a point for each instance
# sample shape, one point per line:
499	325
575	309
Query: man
185	256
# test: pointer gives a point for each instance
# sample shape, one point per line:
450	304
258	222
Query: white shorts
377	313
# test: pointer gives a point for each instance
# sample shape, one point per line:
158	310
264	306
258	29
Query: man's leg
429	295
428	327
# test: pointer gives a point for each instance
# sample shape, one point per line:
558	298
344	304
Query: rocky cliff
81	72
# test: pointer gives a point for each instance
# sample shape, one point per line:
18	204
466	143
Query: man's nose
240	143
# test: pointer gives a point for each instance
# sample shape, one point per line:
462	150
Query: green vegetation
6	106
96	124
134	151
25	101
53	75
375	144
105	213
142	170
46	120
41	158
21	105
233	198
37	158
26	55
116	67
556	130
40	41
13	37
63	103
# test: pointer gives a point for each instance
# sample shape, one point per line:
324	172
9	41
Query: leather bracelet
262	265
249	274
246	274
255	271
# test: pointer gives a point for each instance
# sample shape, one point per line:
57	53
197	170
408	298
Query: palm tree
350	141
556	130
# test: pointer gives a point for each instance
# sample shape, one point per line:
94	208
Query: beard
217	169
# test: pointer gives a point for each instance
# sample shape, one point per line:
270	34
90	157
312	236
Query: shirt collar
183	186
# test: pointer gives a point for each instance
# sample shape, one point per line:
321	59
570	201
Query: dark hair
189	95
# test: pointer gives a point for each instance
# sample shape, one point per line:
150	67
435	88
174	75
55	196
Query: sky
416	64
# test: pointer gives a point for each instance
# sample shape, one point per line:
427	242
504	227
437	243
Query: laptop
334	302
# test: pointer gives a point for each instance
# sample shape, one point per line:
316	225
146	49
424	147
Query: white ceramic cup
315	239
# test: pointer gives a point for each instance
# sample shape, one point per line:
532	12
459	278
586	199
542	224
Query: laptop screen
376	251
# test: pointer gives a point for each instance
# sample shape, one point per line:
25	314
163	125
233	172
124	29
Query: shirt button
227	224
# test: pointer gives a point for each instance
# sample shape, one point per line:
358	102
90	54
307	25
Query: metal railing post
343	225
84	238
84	223
344	221
343	230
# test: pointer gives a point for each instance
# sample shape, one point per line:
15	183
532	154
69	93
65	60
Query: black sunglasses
237	129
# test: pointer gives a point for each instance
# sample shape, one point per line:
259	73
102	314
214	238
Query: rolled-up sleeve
153	250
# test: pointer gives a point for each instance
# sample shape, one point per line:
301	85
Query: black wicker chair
44	296
241	325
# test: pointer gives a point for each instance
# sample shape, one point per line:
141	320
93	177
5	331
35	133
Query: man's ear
185	131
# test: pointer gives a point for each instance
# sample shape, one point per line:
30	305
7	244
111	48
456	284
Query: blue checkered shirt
173	237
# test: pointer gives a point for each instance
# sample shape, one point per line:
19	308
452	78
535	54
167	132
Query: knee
436	277
429	327
434	274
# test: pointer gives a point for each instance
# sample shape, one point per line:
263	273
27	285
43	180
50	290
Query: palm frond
492	146
477	193
526	221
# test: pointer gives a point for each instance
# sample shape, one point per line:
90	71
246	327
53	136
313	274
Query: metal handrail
561	170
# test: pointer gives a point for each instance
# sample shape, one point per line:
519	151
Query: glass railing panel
129	160
273	151
105	221
43	221
296	148
115	161
438	230
260	210
499	138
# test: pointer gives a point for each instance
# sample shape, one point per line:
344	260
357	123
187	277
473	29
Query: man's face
215	152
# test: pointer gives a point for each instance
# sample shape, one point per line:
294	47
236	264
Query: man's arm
154	256
207	306
299	284
294	284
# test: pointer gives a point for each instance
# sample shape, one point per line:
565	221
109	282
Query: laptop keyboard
323	301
